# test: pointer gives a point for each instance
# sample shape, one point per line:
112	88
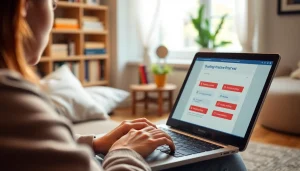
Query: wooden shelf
79	37
95	32
97	83
94	57
66	31
70	58
68	4
94	7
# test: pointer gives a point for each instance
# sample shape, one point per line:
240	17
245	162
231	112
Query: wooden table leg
170	100
133	95
160	103
146	101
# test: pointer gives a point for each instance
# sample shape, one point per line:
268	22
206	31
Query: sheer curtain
147	19
245	19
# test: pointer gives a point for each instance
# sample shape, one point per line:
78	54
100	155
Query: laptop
217	107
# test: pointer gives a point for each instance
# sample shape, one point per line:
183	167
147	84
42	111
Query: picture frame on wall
288	7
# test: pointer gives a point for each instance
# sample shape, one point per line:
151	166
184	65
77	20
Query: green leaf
222	44
219	27
161	69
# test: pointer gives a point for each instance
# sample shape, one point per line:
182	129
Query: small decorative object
161	69
288	7
207	38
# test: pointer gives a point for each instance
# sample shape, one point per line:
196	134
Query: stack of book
94	48
94	70
74	67
63	50
59	50
66	23
90	23
143	75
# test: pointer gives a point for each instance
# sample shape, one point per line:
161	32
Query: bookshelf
90	66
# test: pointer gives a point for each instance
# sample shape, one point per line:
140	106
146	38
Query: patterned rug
264	157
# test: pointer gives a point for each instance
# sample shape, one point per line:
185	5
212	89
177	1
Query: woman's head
25	26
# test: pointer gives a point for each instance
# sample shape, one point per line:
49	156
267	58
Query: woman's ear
25	8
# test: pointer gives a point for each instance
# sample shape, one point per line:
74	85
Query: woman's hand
144	141
103	144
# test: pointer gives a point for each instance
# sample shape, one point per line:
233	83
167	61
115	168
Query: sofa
281	109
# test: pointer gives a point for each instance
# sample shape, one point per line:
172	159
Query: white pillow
70	98
108	97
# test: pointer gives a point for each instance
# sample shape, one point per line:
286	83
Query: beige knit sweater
33	137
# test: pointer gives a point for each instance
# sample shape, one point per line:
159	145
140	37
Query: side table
152	88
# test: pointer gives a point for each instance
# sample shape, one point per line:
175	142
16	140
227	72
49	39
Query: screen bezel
215	135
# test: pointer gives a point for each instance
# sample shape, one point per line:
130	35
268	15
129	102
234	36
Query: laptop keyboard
186	145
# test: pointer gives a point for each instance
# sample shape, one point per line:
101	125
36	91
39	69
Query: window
177	31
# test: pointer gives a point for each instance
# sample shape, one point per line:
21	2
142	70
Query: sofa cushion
95	127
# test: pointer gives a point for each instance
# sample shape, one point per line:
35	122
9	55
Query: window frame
185	56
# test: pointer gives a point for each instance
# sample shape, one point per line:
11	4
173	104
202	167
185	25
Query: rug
265	157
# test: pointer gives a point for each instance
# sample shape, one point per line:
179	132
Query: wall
281	34
277	34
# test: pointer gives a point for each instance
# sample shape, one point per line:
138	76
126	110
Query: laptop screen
222	94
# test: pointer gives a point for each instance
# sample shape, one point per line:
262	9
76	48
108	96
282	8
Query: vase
160	80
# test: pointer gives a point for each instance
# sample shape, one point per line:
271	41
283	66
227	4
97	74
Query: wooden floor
260	134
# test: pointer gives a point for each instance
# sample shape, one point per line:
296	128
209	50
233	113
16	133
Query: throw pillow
70	98
107	97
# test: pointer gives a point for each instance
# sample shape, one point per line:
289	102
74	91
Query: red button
226	105
223	115
198	109
208	84
233	88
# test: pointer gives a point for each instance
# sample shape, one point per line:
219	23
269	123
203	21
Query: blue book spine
94	51
86	68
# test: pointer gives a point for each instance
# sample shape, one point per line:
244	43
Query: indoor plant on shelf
160	72
206	37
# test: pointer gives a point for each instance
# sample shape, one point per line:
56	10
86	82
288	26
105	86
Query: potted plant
206	37
160	74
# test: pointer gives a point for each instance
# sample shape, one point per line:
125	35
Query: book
59	46
59	50
94	71
86	69
92	25
71	48
66	26
102	70
94	51
94	45
90	18
142	74
67	21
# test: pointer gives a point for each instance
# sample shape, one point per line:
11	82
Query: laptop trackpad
157	155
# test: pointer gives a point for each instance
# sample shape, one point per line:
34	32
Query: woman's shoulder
11	80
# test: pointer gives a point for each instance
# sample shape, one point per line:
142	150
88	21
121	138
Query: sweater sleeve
34	137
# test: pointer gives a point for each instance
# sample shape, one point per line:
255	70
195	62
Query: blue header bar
257	62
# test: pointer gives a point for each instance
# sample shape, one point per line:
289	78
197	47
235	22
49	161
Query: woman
33	136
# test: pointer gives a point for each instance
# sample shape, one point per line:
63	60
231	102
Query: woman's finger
148	129
165	141
160	135
143	120
125	128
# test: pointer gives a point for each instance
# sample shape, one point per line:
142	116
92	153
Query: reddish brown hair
14	31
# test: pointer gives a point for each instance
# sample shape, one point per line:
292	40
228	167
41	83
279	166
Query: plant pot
207	50
160	80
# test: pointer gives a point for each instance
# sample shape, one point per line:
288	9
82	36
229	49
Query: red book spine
143	80
145	75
